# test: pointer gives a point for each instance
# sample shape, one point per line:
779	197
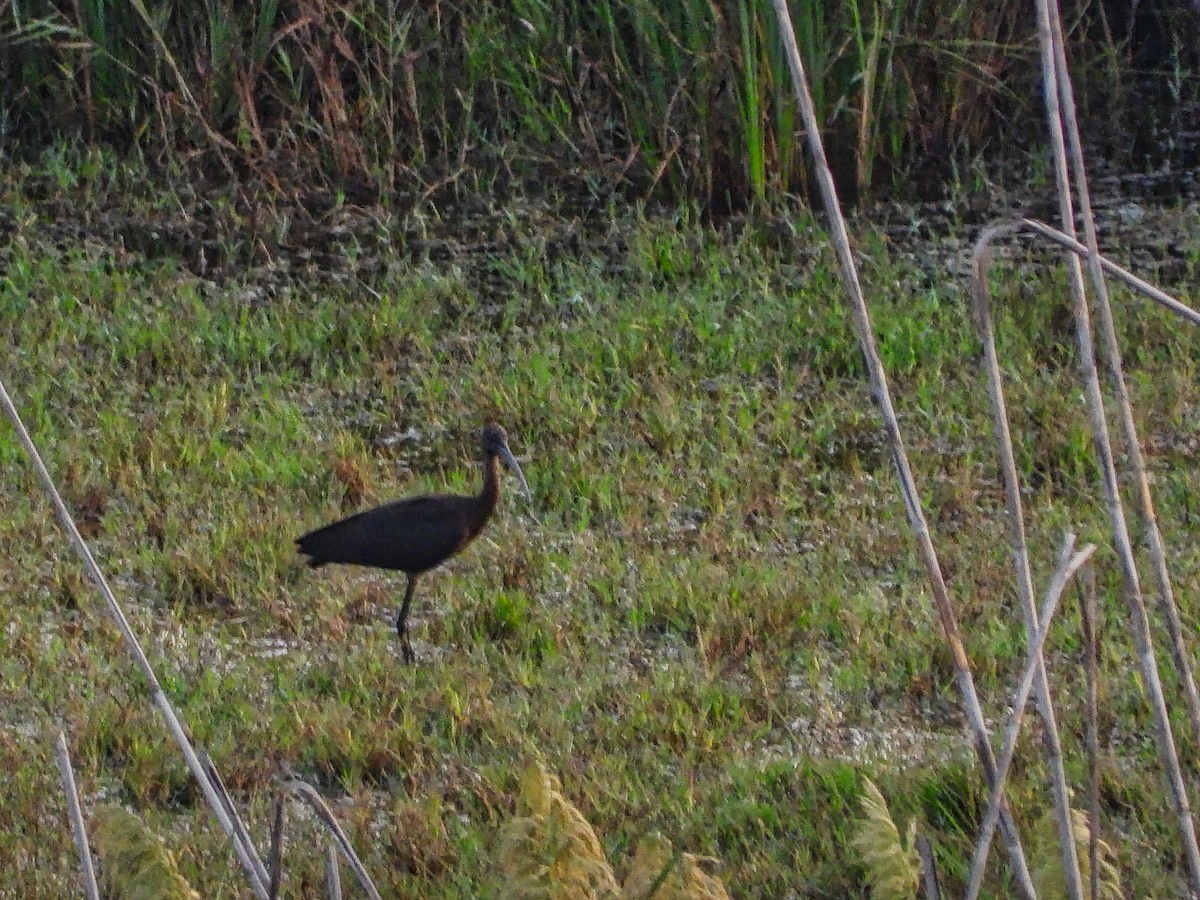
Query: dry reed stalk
929	875
879	387
239	827
275	857
1020	552
984	323
1057	95
245	851
333	875
90	889
1116	377
309	795
1087	618
1068	564
1159	296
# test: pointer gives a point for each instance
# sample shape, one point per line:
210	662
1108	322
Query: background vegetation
687	100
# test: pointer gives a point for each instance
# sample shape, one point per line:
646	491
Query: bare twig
275	858
1087	617
1058	95
241	835
333	876
87	870
1068	565
307	793
879	386
1021	564
1140	285
245	853
929	875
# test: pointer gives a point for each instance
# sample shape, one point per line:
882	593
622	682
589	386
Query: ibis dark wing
408	535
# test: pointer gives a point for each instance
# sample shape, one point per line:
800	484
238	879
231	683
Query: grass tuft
136	865
892	865
550	850
1047	861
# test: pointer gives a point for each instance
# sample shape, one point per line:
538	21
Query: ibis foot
406	650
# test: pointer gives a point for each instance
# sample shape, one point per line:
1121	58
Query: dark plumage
415	534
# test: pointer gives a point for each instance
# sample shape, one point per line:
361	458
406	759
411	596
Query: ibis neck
490	494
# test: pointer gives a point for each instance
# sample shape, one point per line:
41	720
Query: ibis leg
406	650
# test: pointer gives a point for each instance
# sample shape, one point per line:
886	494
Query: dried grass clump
550	851
658	872
893	865
1047	859
134	862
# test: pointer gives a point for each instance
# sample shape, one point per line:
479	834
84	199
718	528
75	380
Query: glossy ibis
415	534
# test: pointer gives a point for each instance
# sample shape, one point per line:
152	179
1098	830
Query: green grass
708	620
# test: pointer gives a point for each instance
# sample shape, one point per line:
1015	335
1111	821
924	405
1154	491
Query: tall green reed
687	100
